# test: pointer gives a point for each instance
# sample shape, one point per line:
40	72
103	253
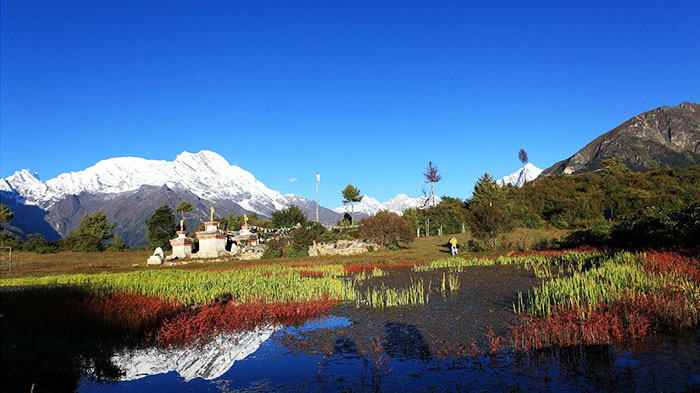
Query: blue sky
365	92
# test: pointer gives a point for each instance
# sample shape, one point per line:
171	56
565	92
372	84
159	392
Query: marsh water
410	348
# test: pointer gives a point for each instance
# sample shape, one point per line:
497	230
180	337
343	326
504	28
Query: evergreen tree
6	215
161	228
487	190
351	195
289	217
432	176
117	244
184	207
91	234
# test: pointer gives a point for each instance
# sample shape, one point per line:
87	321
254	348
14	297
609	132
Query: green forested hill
580	200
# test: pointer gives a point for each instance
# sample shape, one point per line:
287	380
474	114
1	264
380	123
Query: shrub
650	228
289	217
487	222
297	243
36	243
386	229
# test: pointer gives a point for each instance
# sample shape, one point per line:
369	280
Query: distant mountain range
369	206
669	135
129	189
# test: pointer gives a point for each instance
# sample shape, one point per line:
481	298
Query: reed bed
269	284
604	284
417	293
566	262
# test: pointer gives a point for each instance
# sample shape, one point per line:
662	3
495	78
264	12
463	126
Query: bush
297	243
474	246
487	222
36	243
650	228
289	217
386	229
10	240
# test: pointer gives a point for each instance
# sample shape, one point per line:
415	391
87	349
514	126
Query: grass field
422	250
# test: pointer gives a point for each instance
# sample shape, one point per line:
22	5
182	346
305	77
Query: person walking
453	246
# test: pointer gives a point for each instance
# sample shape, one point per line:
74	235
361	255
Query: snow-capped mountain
130	189
207	361
528	173
205	174
369	206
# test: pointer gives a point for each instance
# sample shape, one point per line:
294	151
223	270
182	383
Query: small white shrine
212	240
182	245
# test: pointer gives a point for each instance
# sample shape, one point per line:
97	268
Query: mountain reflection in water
207	360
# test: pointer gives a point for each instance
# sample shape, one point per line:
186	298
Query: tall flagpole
318	180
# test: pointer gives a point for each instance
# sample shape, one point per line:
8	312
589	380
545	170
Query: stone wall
341	247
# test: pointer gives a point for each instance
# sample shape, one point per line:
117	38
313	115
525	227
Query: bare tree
522	155
432	176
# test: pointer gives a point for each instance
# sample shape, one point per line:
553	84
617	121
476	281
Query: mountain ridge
667	135
129	189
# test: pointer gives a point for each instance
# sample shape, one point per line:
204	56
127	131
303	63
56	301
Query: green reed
270	283
603	283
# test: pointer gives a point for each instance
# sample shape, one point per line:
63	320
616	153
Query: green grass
603	283
270	283
566	263
421	250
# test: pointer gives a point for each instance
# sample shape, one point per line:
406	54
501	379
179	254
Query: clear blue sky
365	92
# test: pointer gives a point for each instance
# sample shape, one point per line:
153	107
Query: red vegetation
634	316
668	262
231	316
495	342
360	268
130	313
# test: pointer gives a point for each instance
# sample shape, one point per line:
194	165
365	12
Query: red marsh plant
362	268
633	316
668	262
230	316
131	313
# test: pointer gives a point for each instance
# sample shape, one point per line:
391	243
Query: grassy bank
421	250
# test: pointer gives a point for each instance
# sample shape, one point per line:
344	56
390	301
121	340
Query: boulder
341	247
157	258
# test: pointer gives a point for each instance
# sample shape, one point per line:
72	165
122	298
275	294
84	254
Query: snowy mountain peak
370	206
525	174
206	174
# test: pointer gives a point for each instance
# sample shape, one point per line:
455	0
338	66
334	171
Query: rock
157	258
154	260
341	247
250	252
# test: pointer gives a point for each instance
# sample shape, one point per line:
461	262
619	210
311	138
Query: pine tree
6	214
117	244
289	217
91	234
184	207
432	176
161	228
351	195
486	190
